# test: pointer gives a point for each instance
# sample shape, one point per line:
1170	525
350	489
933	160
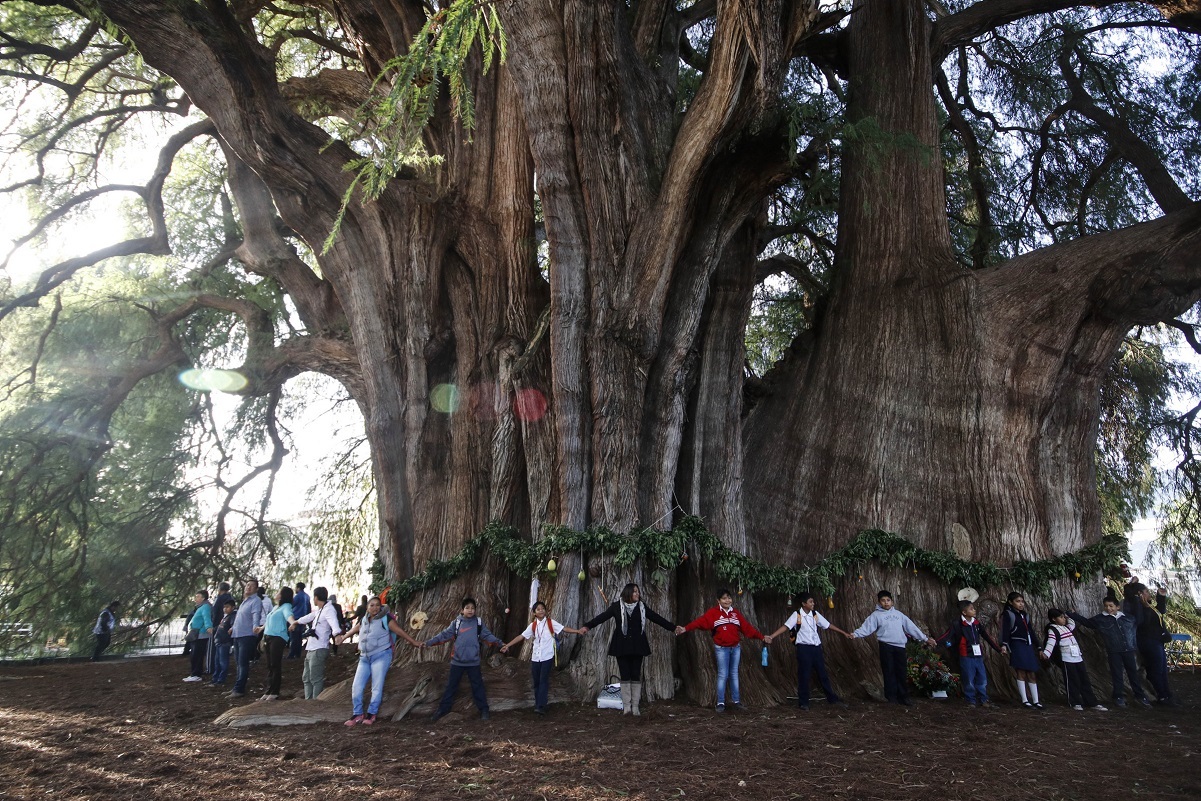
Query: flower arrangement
926	671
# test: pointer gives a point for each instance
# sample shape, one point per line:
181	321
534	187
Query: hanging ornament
830	602
582	575
1077	574
790	600
861	577
551	566
740	590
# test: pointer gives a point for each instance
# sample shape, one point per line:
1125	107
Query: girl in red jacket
728	627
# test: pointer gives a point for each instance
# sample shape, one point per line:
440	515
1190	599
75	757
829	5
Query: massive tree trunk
927	396
931	396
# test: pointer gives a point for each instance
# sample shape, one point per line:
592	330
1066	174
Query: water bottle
763	659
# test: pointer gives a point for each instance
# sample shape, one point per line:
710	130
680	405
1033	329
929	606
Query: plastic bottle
763	659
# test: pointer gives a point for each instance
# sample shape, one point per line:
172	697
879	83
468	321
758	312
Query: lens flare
445	398
529	405
203	379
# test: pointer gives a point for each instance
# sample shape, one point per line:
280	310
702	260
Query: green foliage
664	551
440	56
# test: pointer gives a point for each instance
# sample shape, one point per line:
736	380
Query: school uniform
1121	646
542	657
810	658
966	639
1075	675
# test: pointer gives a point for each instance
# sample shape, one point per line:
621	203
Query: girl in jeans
728	627
375	632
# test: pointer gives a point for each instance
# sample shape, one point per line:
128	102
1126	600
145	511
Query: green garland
666	550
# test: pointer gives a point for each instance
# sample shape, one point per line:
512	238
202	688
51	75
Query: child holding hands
543	631
810	658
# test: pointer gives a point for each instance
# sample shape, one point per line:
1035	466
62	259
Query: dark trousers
1080	689
475	676
629	668
275	662
892	664
244	649
102	641
540	675
220	662
295	640
1155	662
199	652
1124	662
811	659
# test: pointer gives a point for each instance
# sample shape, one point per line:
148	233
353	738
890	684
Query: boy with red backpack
468	633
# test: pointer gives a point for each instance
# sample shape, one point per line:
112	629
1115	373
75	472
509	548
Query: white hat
968	594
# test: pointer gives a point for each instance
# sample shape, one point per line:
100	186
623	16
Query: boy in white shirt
542	630
1061	633
809	655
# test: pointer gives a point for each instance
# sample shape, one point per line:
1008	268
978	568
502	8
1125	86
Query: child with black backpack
468	633
1063	648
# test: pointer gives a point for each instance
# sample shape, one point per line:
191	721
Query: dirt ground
130	728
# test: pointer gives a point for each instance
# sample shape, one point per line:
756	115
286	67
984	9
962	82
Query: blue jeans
220	662
374	667
811	659
974	679
540	675
475	675
728	657
245	648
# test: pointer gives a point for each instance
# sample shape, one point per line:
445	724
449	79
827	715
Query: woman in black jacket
629	644
1150	635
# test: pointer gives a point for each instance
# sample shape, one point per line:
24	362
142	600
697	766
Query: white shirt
809	624
544	641
268	605
325	627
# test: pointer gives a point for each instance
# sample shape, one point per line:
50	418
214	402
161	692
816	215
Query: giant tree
972	196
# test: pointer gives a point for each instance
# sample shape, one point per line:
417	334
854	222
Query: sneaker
1078	707
1145	701
1037	705
194	678
988	705
1099	708
803	707
270	697
906	701
368	719
1120	701
485	716
235	694
356	720
736	708
539	710
721	707
1169	701
438	713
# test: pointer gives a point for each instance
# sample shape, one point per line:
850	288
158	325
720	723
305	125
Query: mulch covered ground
131	729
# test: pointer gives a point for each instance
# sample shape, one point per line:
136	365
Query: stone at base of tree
407	688
875	691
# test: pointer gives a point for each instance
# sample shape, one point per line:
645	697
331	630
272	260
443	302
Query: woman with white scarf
629	644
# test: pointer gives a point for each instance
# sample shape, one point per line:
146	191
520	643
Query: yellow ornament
582	575
1077	575
551	566
830	603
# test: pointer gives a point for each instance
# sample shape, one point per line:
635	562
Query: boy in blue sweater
468	632
893	630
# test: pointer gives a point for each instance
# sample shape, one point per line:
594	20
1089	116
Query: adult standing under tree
324	623
300	608
1151	634
275	641
103	630
629	643
249	618
200	630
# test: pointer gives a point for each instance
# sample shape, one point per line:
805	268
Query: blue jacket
300	604
1118	632
202	620
468	633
